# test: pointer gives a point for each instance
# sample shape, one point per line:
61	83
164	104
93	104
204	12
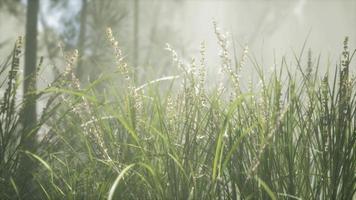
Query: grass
293	137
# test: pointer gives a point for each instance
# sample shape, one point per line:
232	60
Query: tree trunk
136	38
29	114
81	40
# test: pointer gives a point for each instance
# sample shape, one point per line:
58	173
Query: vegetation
292	136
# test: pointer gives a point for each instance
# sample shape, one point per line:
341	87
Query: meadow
292	135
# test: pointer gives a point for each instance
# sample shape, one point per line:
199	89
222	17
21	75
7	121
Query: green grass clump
292	138
9	123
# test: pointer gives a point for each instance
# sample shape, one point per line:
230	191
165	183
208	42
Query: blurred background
270	28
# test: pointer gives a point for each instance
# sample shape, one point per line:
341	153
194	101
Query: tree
29	88
81	38
136	37
29	115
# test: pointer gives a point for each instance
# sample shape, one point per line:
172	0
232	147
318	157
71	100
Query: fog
270	28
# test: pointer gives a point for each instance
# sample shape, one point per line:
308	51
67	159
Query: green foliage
12	134
9	124
292	138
